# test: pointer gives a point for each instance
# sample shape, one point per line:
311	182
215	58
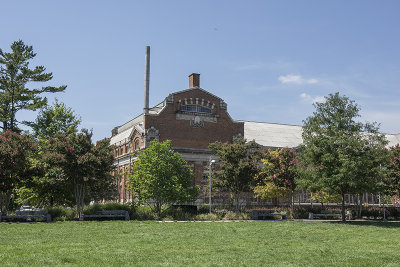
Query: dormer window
196	109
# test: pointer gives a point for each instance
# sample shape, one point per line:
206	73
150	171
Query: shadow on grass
382	224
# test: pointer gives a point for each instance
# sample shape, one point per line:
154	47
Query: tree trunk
358	206
158	209
343	209
79	196
236	202
292	203
5	201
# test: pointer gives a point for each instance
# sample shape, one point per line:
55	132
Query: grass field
117	243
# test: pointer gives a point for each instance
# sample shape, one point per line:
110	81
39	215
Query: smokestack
194	80
146	80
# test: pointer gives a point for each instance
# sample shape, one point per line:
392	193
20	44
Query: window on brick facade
130	147
196	109
137	145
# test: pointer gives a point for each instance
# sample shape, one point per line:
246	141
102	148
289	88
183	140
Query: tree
238	167
55	119
324	197
74	162
393	178
16	153
278	174
45	189
161	175
15	74
344	155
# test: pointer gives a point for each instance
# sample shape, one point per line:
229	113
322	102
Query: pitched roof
273	134
283	135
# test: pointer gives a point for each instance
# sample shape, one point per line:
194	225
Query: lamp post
210	170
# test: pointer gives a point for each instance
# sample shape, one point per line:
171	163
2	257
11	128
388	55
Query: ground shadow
383	224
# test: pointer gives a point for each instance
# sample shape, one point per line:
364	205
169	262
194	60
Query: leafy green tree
15	74
16	152
343	154
74	162
161	175
46	189
54	119
239	165
324	197
278	175
393	177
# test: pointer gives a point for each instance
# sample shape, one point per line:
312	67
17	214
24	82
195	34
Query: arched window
196	109
137	144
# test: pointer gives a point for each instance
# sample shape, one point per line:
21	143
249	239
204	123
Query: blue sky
269	60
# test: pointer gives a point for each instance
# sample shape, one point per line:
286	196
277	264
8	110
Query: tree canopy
239	162
54	119
15	74
278	175
343	153
161	175
74	163
393	176
16	156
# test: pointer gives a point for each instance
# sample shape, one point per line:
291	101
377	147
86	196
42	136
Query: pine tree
15	75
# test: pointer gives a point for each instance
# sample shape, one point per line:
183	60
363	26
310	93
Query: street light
210	170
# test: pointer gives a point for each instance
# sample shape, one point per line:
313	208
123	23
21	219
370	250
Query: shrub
178	214
61	213
206	217
377	212
143	213
236	216
92	209
204	208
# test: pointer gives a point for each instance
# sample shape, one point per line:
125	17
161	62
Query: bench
267	214
328	214
28	214
108	214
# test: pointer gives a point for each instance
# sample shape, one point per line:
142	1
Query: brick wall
180	131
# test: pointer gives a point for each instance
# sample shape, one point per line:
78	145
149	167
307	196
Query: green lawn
116	243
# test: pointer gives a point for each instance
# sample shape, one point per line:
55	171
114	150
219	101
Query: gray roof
393	139
125	130
283	135
273	134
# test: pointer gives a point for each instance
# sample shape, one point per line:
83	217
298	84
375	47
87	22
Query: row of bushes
369	212
202	212
142	213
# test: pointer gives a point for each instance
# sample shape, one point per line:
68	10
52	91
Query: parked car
25	208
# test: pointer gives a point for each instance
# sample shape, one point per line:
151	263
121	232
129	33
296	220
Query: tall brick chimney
194	80
146	80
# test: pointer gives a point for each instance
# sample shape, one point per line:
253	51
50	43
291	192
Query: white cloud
296	79
309	99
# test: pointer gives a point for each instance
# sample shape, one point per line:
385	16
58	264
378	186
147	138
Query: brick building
192	119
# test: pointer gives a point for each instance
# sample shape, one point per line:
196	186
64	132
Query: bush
178	214
377	212
236	216
92	209
61	213
204	208
206	217
143	213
